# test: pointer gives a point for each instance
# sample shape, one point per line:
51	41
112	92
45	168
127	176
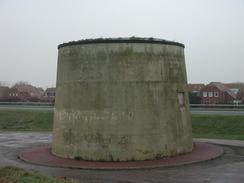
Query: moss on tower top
121	40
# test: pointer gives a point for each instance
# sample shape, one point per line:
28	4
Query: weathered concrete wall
121	101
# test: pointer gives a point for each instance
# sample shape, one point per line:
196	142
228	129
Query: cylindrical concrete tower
121	99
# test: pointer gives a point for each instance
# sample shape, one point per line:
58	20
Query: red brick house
13	95
20	92
217	93
28	91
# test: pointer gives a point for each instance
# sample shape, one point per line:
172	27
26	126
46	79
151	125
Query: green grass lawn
210	126
17	175
204	126
26	120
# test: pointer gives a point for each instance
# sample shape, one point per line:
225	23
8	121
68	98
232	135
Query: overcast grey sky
212	31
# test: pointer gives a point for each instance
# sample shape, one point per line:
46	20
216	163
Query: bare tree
21	83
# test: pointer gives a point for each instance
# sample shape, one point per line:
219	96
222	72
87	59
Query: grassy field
210	126
17	175
204	126
26	120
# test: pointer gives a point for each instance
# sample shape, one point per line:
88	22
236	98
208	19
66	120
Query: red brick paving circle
42	156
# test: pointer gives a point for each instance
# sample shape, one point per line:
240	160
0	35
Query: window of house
205	94
16	94
216	94
210	94
10	94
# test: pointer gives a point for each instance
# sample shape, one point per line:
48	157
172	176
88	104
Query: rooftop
122	40
223	88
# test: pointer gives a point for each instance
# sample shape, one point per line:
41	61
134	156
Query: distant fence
217	106
192	106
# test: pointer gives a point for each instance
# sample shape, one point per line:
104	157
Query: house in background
49	95
21	92
194	93
240	87
28	92
217	93
24	92
13	95
195	88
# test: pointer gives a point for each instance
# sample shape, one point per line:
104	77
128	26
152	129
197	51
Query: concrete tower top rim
121	40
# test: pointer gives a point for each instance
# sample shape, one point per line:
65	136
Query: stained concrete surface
226	169
121	101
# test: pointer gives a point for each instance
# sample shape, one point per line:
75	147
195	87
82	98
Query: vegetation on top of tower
132	39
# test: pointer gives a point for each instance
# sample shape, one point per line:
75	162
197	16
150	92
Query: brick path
42	156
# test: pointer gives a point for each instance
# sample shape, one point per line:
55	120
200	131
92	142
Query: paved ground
227	169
